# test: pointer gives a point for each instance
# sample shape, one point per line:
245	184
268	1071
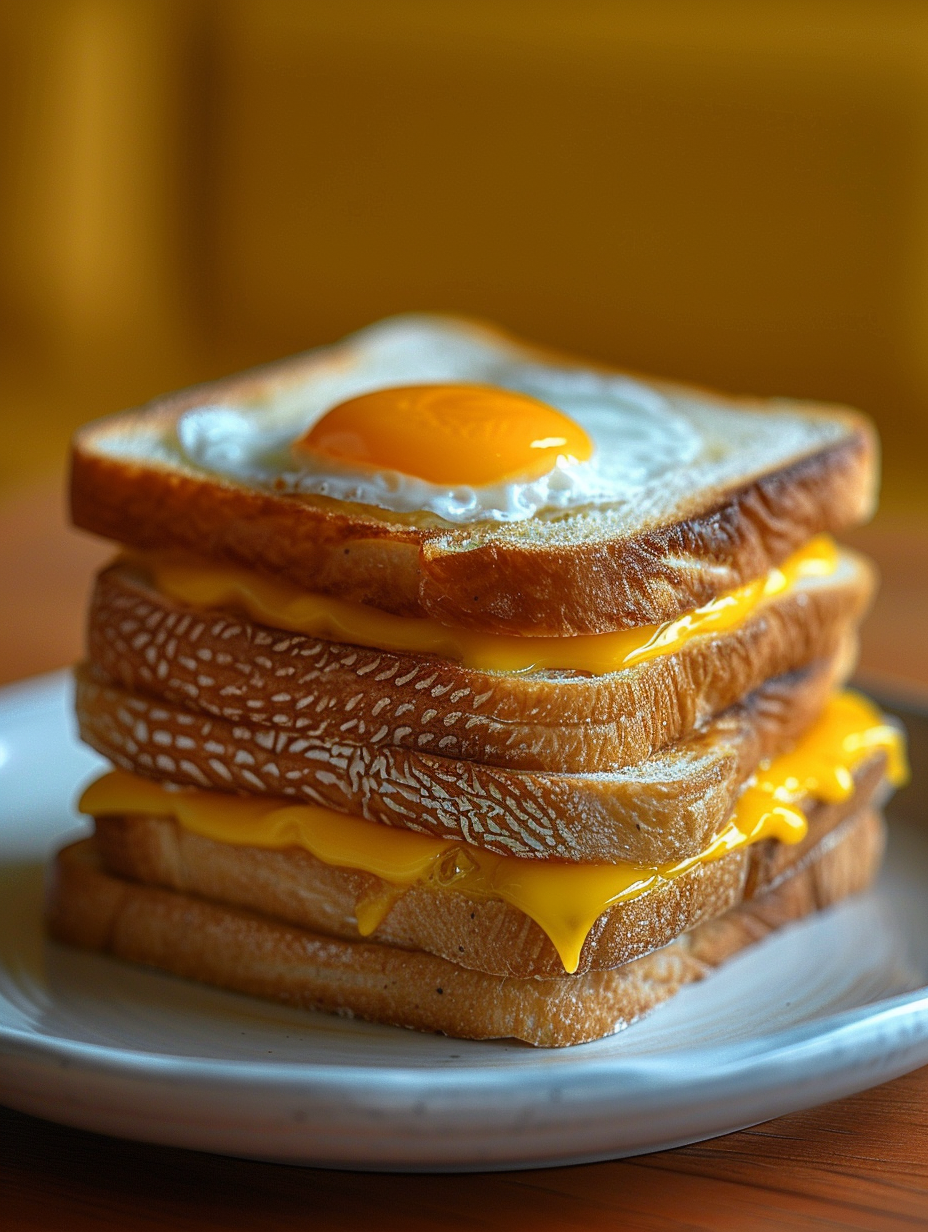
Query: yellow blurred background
734	193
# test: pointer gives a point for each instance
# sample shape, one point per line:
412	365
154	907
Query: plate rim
818	1035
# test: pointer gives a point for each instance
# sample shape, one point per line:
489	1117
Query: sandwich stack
459	686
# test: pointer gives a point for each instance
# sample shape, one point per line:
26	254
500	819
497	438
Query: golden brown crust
333	553
225	665
664	808
250	953
486	935
583	572
607	582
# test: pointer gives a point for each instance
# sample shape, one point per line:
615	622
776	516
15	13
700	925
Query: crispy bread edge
223	664
661	809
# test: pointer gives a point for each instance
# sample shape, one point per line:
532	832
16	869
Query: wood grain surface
859	1163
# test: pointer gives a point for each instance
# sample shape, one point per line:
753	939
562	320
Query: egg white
637	432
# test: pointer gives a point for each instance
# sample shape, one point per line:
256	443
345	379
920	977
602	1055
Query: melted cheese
282	605
565	900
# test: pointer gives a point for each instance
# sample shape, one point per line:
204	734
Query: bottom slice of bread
251	953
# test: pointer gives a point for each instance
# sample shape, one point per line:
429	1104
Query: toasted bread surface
768	476
484	934
661	809
222	664
252	953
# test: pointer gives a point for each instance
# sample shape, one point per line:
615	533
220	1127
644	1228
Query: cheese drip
282	605
565	900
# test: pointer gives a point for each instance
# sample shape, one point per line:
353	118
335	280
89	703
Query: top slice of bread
765	477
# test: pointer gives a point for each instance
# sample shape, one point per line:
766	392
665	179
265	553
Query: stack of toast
509	759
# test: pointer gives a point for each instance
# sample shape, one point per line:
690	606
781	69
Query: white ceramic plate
823	1009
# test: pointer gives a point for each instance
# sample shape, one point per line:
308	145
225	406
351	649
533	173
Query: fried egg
428	416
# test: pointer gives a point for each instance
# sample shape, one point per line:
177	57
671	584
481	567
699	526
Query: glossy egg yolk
447	434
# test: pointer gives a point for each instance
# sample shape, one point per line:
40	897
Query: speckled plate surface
825	1008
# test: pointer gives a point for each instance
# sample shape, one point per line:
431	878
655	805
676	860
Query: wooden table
858	1163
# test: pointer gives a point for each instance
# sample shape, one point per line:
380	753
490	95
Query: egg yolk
448	434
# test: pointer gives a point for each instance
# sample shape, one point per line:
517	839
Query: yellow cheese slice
280	604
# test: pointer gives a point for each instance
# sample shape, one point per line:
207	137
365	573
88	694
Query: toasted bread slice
251	953
765	476
484	934
225	665
664	808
